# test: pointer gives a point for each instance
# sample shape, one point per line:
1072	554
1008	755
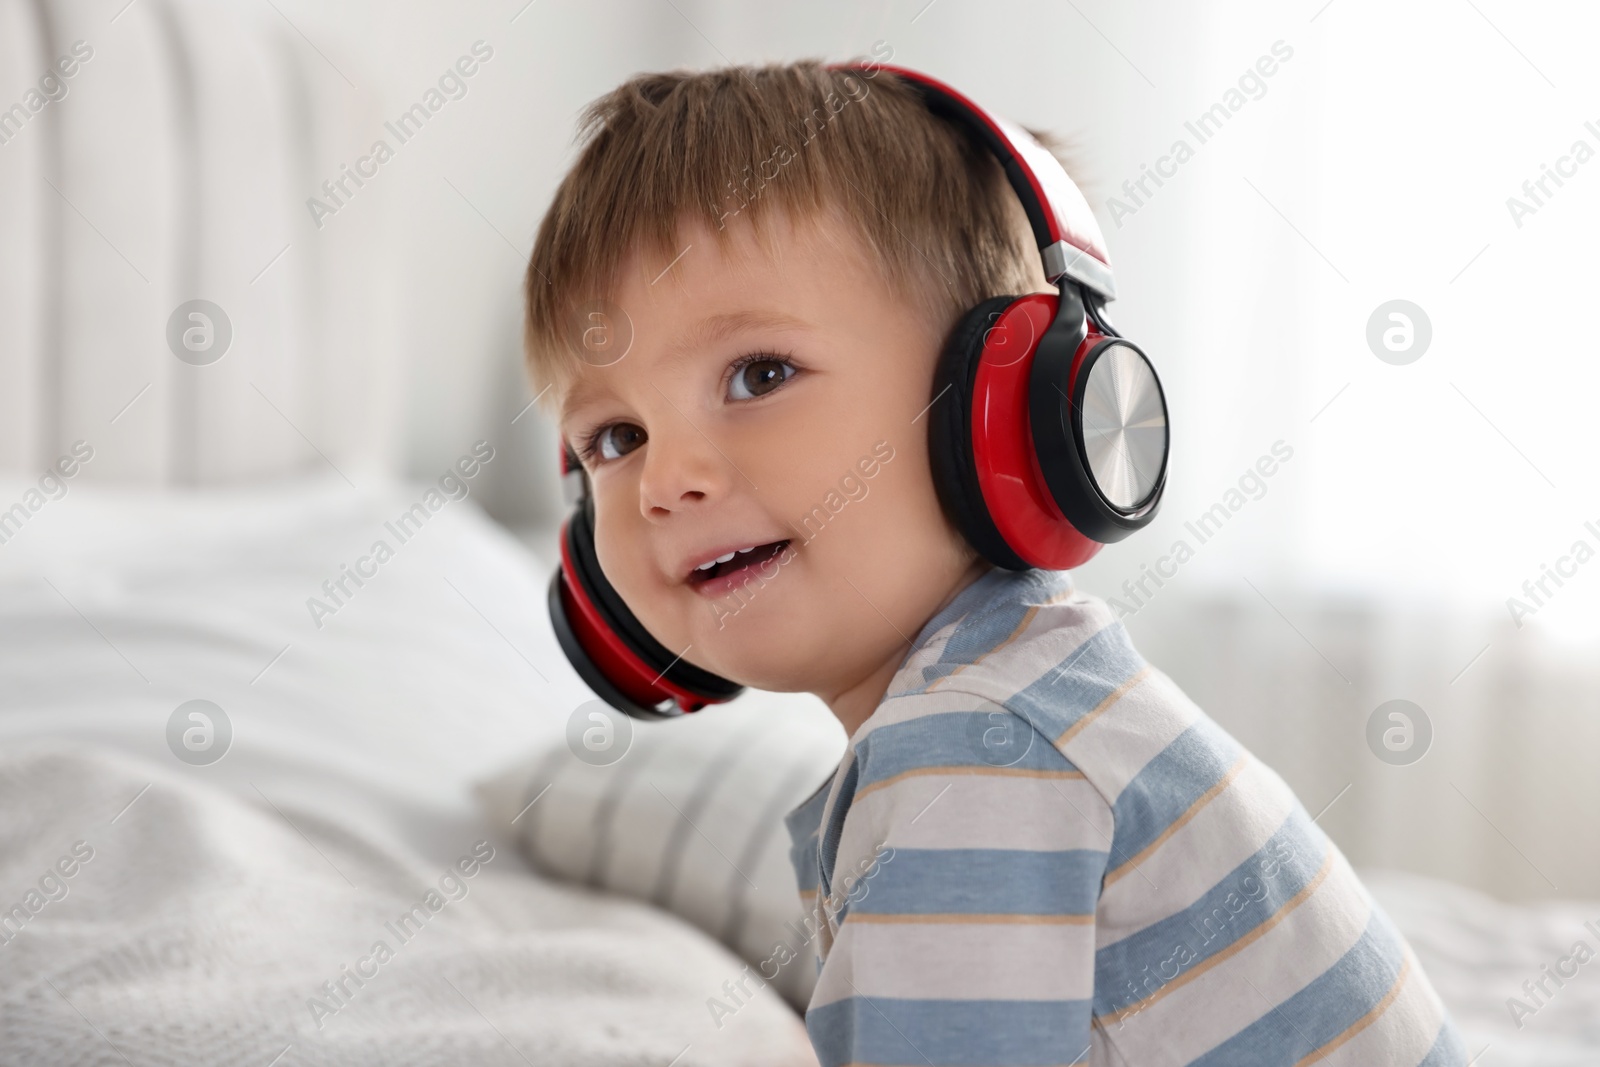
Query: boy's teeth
725	557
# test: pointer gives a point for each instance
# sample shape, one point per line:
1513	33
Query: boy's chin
767	651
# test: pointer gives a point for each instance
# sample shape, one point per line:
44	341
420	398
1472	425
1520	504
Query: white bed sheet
1478	952
355	749
146	918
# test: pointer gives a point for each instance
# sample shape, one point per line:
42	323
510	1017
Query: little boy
738	300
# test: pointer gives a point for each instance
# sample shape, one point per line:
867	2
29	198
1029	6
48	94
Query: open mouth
735	562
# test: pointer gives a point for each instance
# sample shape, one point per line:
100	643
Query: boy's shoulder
1029	693
1014	681
1034	800
1042	663
1010	632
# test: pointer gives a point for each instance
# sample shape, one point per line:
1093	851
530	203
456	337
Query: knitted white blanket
150	920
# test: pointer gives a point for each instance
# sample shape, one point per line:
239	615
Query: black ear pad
616	615
955	475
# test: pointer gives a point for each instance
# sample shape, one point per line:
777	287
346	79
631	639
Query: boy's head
737	300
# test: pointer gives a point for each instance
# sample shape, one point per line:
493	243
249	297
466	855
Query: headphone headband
1064	226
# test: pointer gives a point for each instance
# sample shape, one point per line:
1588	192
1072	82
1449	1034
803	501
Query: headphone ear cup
955	473
608	645
567	620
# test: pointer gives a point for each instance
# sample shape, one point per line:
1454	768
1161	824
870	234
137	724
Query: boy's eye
757	377
617	440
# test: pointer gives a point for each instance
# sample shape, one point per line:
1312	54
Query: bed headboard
164	153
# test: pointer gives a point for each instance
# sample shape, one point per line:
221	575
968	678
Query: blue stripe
807	815
988	610
803	824
1321	1011
954	739
1254	891
1448	1050
1079	682
982	881
887	1030
828	841
804	858
984	629
1167	786
969	608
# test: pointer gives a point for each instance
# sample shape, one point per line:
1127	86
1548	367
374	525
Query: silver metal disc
1124	426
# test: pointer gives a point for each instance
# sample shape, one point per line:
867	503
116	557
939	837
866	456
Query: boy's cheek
628	563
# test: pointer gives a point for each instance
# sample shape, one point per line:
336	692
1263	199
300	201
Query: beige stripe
974	919
1027	618
1232	950
1366	1020
1008	772
1177	824
1115	695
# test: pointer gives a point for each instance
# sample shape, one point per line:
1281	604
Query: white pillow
690	818
119	604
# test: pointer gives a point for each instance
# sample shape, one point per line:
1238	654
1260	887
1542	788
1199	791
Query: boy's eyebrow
707	331
716	328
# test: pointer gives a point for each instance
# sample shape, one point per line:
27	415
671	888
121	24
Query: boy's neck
853	705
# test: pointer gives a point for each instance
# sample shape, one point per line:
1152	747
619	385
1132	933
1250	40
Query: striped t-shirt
1037	850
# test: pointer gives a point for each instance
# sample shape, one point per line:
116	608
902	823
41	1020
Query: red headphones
1047	432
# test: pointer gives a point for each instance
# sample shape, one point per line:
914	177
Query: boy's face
774	403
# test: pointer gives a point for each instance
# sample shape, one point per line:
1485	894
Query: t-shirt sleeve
804	826
967	871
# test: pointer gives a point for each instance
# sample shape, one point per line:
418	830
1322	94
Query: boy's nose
681	469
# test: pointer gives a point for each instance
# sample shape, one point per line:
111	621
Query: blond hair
930	203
